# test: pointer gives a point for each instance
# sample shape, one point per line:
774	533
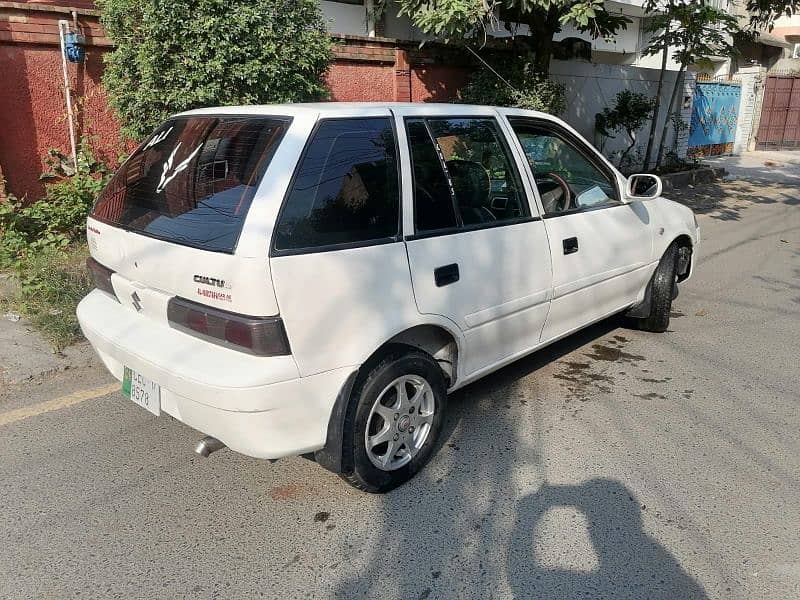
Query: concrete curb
684	179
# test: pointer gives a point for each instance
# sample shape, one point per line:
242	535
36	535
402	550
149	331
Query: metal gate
780	114
715	111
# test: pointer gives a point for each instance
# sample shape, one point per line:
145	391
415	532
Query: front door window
565	177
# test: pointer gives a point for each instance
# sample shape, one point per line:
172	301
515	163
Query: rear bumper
257	406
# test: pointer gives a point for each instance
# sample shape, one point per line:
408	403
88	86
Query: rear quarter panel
340	306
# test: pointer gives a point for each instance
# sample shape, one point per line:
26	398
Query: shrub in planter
630	112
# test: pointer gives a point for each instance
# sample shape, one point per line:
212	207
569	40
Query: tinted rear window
193	181
345	189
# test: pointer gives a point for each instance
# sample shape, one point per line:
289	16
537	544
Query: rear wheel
662	291
393	421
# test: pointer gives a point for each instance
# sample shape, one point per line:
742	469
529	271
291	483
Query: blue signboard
714	114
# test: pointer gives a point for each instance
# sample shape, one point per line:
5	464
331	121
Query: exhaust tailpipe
208	445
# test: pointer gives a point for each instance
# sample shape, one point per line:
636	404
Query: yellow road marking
50	405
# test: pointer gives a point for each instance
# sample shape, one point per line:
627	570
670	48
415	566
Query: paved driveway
615	464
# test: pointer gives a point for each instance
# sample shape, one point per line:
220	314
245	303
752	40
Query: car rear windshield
193	180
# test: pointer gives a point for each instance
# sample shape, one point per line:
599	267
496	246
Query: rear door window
345	190
192	182
463	174
434	207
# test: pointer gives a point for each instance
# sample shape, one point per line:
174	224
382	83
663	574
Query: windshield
193	180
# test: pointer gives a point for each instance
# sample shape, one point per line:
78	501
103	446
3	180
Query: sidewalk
26	355
767	166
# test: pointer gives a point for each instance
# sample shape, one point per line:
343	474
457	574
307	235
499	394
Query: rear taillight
262	336
101	276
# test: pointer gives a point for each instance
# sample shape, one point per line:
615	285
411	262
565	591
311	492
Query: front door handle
446	275
570	245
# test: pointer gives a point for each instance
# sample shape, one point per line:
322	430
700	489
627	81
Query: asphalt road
615	464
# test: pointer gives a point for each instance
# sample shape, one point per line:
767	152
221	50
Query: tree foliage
520	87
695	32
183	54
764	12
455	20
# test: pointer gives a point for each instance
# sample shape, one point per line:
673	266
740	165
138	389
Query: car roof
366	109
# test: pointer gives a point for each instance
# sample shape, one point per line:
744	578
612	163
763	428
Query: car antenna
488	66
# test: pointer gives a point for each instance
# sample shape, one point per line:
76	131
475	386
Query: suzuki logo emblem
137	302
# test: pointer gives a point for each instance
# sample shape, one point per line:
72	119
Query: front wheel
662	291
393	421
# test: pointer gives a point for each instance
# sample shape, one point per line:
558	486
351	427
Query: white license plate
142	391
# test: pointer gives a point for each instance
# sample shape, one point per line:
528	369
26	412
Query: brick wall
32	103
386	70
33	107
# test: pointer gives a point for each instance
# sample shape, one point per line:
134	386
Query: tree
650	6
764	12
184	54
630	112
696	31
470	19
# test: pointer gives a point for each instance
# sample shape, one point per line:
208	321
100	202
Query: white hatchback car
314	279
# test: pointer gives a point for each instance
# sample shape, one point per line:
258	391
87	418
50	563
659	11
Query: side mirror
644	186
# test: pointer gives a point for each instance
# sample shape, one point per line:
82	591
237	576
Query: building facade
356	18
376	59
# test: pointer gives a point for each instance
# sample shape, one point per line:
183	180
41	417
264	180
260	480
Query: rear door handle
570	245
446	275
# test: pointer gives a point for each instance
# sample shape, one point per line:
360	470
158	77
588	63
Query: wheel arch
642	309
440	341
685	268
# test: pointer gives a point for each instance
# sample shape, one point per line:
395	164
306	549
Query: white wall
350	19
626	41
653	61
593	87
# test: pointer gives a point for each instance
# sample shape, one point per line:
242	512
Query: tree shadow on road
468	525
625	562
727	200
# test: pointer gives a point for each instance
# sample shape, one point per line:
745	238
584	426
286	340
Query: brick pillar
402	76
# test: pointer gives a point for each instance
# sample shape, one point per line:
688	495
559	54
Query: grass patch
51	283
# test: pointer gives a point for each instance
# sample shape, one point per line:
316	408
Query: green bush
51	283
41	244
59	217
179	55
528	89
629	114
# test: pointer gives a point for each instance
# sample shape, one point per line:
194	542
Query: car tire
662	291
376	404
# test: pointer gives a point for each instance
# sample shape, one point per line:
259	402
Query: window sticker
181	167
157	139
